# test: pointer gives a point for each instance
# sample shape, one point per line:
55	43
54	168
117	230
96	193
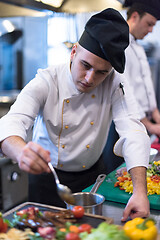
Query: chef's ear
74	50
135	15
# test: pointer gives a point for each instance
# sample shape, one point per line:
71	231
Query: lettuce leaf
105	231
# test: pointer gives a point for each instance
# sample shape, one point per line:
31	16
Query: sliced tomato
78	211
72	236
22	212
30	212
85	228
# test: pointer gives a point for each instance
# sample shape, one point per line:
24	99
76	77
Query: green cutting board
114	194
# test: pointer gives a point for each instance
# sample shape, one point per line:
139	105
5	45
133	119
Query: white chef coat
137	72
72	125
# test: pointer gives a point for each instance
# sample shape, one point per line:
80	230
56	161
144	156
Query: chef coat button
92	123
87	146
61	165
83	166
93	96
66	127
67	101
63	146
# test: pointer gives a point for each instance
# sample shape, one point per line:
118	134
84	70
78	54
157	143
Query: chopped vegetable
124	181
74	228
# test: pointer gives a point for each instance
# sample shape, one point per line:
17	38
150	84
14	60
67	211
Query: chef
142	16
70	108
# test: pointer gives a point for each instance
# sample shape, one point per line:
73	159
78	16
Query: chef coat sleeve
127	72
20	119
138	74
134	142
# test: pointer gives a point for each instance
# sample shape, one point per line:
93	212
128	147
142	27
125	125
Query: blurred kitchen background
36	34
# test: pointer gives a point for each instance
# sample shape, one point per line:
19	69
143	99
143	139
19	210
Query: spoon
64	192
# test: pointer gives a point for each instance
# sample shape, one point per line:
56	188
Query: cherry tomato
72	236
85	228
4	228
78	211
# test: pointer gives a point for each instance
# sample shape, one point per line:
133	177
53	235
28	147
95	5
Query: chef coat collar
73	90
131	38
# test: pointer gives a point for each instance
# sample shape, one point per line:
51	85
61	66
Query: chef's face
143	25
87	69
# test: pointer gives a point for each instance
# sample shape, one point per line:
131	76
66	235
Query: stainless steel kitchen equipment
13	184
91	201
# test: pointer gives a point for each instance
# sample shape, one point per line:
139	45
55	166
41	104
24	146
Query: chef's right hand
155	129
31	157
34	159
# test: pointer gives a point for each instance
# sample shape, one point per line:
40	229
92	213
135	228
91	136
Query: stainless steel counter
115	211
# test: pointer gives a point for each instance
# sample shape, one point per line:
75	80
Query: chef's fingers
134	211
129	209
33	164
44	154
126	214
27	168
135	214
31	161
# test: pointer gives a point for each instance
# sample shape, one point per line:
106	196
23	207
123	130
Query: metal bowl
91	202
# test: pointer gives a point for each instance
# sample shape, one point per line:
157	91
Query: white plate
153	153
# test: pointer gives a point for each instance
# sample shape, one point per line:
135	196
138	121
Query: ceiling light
54	3
8	25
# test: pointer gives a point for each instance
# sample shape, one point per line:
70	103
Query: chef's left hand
137	206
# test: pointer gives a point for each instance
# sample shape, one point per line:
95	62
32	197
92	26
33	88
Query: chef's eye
150	24
85	65
101	72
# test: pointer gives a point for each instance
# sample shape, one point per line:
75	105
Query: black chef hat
149	6
106	35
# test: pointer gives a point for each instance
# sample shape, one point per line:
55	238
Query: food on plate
85	232
33	218
16	234
73	230
140	228
124	181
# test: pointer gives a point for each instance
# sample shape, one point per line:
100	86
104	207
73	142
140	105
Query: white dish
153	153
